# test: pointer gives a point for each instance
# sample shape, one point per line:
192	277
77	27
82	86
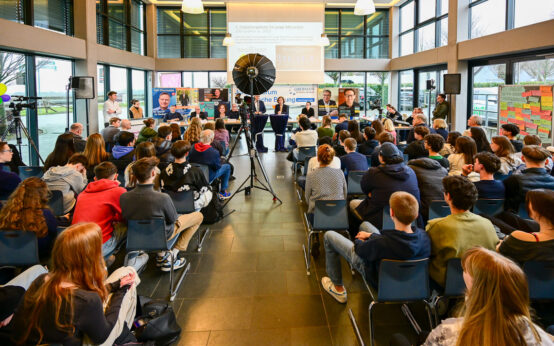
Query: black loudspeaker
84	87
452	83
430	84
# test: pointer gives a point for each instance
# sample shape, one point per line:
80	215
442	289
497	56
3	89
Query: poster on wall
213	94
529	107
295	97
207	107
186	97
162	99
348	102
327	101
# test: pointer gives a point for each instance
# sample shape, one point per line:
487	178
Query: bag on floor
156	322
213	212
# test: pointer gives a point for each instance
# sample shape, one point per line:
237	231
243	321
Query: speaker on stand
452	83
83	88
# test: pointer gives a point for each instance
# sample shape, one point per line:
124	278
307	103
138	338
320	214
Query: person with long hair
27	210
8	180
496	306
95	151
388	126
145	149
175	132
325	130
63	149
449	147
147	132
378	127
281	108
465	150
354	129
221	111
192	134
503	148
480	138
65	306
221	134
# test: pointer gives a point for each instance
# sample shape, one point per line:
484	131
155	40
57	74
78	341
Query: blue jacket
341	126
517	186
8	182
206	155
391	244
353	162
382	182
119	151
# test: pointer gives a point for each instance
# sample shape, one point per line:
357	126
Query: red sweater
99	203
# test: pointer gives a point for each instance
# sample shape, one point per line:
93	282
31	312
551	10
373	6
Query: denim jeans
366	226
118	236
224	172
336	245
26	278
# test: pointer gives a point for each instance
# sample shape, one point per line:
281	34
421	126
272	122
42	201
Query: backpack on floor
213	212
156	321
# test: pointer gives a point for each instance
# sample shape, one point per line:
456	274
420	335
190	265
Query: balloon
5	97
3	88
1	101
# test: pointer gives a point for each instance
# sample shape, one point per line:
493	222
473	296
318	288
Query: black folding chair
438	209
303	153
150	236
454	287
18	248
353	186
184	204
30	171
488	206
205	169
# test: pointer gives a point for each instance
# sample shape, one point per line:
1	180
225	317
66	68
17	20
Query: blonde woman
388	125
192	134
441	127
496	306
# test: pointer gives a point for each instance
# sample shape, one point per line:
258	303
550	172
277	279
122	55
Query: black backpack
213	212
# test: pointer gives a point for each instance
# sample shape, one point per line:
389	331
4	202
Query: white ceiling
379	3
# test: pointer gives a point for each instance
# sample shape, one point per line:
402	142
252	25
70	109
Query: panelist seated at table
221	111
198	114
259	105
349	106
326	106
172	116
281	108
308	110
234	112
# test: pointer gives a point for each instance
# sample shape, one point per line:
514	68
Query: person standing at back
442	108
111	108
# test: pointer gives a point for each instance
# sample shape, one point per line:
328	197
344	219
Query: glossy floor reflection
249	286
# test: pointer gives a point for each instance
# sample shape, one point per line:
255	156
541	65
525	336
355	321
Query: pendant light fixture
192	6
364	7
228	40
324	40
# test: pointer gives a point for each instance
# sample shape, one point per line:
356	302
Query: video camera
17	105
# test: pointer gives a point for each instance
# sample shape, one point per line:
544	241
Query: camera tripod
17	127
253	154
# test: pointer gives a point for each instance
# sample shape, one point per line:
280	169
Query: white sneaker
138	262
179	263
330	288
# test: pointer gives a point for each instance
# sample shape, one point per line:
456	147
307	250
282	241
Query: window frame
416	25
208	35
366	37
128	27
26	15
415	75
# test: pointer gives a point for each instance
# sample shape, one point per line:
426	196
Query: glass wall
534	72
101	91
118	83
168	79
406	92
55	15
138	82
52	76
492	16
183	35
354	36
426	98
486	80
423	25
121	24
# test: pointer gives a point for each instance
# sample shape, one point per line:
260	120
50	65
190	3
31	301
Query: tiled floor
249	286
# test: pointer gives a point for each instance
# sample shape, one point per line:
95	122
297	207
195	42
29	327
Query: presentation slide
291	46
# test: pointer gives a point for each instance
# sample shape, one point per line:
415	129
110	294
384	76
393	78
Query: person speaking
198	114
259	105
308	110
281	108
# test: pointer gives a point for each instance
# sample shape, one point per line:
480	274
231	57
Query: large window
354	36
55	15
426	98
373	88
406	92
202	79
423	25
492	16
183	35
121	24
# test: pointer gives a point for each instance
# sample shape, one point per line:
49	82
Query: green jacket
441	110
451	236
145	134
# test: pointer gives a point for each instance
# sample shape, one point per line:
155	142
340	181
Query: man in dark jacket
124	151
419	120
203	153
533	177
352	161
76	130
370	143
416	149
342	125
163	146
429	174
380	182
369	248
384	137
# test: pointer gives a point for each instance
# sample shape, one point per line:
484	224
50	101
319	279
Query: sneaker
330	288
161	259
224	195
179	263
138	262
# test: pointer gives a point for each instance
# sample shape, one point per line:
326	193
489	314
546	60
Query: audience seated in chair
326	129
147	133
452	235
181	176
192	134
221	134
72	305
339	147
380	182
486	164
143	203
306	137
384	137
124	150
63	150
416	148
429	173
434	144
109	133
163	145
370	143
143	150
79	142
419	120
203	153
95	152
210	125
465	150
511	131
503	148
480	138
99	203
352	161
27	210
8	180
342	124
531	140
450	145
70	179
369	248
313	163
496	306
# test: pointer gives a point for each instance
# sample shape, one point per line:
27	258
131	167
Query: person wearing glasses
8	180
350	106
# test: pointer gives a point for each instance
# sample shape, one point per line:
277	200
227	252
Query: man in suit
198	114
349	106
308	110
259	106
326	106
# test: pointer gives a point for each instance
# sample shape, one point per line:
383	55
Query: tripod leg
22	127
267	179
237	138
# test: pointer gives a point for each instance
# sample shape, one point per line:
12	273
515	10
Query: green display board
529	107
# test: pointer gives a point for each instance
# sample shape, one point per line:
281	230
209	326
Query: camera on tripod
18	104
